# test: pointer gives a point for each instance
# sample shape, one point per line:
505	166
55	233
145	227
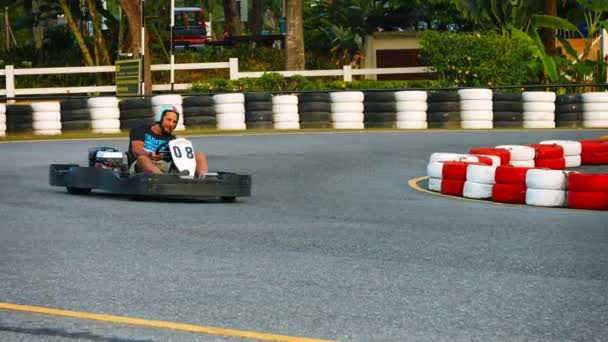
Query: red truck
191	30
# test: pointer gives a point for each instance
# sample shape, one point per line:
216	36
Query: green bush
473	59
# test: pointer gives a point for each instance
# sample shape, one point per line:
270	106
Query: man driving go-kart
149	144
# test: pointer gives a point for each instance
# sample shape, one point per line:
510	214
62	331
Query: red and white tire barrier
476	108
539	109
519	174
572	151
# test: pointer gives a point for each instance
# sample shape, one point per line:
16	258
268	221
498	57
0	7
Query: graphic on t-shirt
151	144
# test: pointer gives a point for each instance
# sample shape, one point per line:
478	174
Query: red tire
598	158
506	174
509	193
586	182
548	151
587	200
554	164
593	146
503	154
485	160
452	187
454	170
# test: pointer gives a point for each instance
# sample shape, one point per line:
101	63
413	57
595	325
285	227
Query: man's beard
164	131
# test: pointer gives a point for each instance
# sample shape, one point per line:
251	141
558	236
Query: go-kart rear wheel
229	199
78	191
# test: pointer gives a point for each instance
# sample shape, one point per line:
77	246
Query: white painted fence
10	91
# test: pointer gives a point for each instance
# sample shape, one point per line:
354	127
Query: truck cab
191	30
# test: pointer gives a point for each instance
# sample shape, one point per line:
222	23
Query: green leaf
568	47
549	21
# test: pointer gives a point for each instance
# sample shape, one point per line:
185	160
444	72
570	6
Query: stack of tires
539	109
285	112
258	110
587	191
379	109
104	114
447	172
443	110
593	152
2	120
411	109
314	109
19	119
572	151
510	184
504	156
520	155
46	118
595	110
75	114
549	156
347	109
476	108
508	110
230	111
199	111
175	100
135	112
569	110
546	188
479	181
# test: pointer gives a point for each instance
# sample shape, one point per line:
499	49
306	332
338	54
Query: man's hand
156	156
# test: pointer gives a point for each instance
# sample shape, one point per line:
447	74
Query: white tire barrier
486	124
412	124
476	108
230	111
104	113
546	179
477	190
46	107
102	102
347	110
346	96
545	198
483	174
595	110
411	107
475	94
538	109
434	184
519	152
285	99
287	125
46	118
411	95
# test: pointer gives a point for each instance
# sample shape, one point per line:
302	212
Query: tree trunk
231	18
132	11
294	45
256	17
100	44
86	54
548	35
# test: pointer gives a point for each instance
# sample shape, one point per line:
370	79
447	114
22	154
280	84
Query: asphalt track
333	245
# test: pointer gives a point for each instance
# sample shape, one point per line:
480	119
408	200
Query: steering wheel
165	154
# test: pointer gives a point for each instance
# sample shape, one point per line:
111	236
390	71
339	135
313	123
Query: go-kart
108	170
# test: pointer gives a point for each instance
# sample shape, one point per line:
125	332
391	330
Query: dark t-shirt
151	140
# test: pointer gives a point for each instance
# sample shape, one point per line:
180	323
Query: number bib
183	155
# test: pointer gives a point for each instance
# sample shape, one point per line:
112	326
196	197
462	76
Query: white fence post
10	82
348	73
234	68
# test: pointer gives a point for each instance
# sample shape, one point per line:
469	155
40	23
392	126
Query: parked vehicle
191	30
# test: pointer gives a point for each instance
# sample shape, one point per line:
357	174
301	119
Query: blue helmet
158	117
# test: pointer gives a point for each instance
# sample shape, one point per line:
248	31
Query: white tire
573	161
229	108
522	163
475	105
347	96
495	159
2	118
571	147
537	106
229	98
487	124
105	124
411	116
538	96
347	107
411	95
285	117
483	174
230	118
46	107
347	117
595	107
595	124
46	116
520	152
103	102
434	184
234	126
435	169
412	106
2	132
285	109
545	198
106	130
594	97
411	125
476	115
475	94
477	190
2	108
539	116
539	124
2	127
546	179
180	127
348	125
595	116
448	156
285	99
47	132
46	125
169	99
286	125
100	113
